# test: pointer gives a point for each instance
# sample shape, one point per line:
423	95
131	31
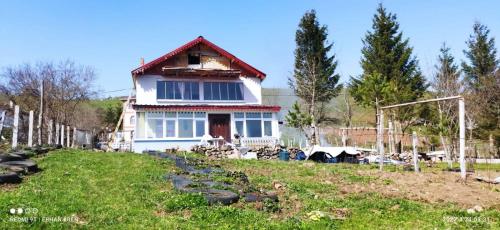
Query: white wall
146	91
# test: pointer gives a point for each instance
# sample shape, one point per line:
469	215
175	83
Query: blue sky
112	36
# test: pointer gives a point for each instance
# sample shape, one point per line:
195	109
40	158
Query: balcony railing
258	141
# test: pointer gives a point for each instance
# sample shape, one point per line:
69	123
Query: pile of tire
14	165
196	178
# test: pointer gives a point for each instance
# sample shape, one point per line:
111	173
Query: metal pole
461	122
418	102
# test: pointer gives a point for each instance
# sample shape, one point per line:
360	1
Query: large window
186	90
223	91
253	124
170	124
154	125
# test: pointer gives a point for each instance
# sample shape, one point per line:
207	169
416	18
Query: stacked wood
293	152
267	152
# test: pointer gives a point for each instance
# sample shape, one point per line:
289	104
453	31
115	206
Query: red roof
268	108
200	40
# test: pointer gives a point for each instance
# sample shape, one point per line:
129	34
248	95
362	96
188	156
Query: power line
118	90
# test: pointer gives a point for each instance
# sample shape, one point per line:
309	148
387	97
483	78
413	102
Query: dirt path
435	187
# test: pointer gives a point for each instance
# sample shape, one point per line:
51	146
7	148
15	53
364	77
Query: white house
196	90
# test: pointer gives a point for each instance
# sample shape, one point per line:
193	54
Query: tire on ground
215	196
29	166
10	177
10	157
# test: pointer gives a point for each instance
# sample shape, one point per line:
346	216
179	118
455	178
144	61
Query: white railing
258	141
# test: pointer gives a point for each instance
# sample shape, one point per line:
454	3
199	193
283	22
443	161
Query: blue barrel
284	155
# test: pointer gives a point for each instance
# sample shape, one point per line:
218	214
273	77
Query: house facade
199	91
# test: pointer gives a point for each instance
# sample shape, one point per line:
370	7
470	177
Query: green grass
128	191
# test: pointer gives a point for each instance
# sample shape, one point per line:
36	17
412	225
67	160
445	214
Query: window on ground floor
253	124
170	124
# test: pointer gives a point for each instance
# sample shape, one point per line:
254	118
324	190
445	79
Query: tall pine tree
314	80
481	53
387	60
483	83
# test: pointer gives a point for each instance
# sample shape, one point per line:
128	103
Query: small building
200	90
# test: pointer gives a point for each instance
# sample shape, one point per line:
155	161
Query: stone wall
226	151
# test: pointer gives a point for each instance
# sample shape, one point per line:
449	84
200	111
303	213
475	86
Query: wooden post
74	137
15	126
492	146
392	145
62	135
67	136
461	122
415	152
381	139
49	136
57	133
30	129
344	138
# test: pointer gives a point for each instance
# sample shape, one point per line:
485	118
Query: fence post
415	152
2	119
344	138
74	137
16	126
30	130
62	135
67	136
381	138
49	138
57	133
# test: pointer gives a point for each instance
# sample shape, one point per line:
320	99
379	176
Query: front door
219	126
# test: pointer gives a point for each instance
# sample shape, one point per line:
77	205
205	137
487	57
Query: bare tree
66	86
447	83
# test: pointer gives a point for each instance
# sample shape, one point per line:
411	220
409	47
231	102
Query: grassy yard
128	191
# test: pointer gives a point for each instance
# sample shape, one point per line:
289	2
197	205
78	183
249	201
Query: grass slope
127	191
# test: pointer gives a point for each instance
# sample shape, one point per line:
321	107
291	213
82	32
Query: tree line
391	75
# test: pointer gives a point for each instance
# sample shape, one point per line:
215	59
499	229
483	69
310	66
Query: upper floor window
186	90
193	59
223	91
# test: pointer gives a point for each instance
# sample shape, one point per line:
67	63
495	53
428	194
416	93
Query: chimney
142	61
